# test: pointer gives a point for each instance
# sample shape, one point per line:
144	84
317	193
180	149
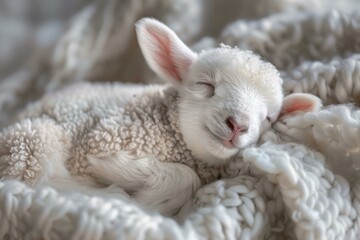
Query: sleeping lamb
160	142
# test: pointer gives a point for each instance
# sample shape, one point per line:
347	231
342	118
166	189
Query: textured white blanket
300	182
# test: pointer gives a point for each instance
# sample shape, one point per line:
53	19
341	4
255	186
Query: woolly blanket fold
287	187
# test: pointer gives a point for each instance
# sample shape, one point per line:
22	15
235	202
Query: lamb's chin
218	154
208	148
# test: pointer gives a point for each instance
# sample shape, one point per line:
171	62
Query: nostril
235	127
231	123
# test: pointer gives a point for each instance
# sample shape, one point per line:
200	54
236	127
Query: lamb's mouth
227	143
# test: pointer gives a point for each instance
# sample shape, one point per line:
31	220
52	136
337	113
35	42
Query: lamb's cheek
252	135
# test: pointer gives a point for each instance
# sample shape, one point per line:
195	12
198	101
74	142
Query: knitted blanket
300	182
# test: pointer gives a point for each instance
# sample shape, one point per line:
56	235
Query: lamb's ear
300	102
164	52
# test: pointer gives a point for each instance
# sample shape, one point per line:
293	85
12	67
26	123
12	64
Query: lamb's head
227	96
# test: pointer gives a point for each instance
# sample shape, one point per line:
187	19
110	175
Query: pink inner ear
163	54
303	106
297	106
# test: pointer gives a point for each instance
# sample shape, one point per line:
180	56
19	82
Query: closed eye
210	88
206	84
268	119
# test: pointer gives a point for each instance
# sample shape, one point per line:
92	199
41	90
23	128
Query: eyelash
208	86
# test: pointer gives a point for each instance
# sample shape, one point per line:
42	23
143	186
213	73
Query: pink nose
235	127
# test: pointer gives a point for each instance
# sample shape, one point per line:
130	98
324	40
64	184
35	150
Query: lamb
159	142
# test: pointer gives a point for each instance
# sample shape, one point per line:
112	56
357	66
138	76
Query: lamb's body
104	120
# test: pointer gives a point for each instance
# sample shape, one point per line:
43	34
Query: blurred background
48	44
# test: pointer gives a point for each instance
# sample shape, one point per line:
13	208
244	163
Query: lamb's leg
32	151
156	185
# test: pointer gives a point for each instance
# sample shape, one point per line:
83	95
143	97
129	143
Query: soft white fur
160	186
167	159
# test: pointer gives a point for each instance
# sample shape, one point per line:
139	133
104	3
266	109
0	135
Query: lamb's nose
235	127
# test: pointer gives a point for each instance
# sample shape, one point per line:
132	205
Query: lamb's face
229	97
